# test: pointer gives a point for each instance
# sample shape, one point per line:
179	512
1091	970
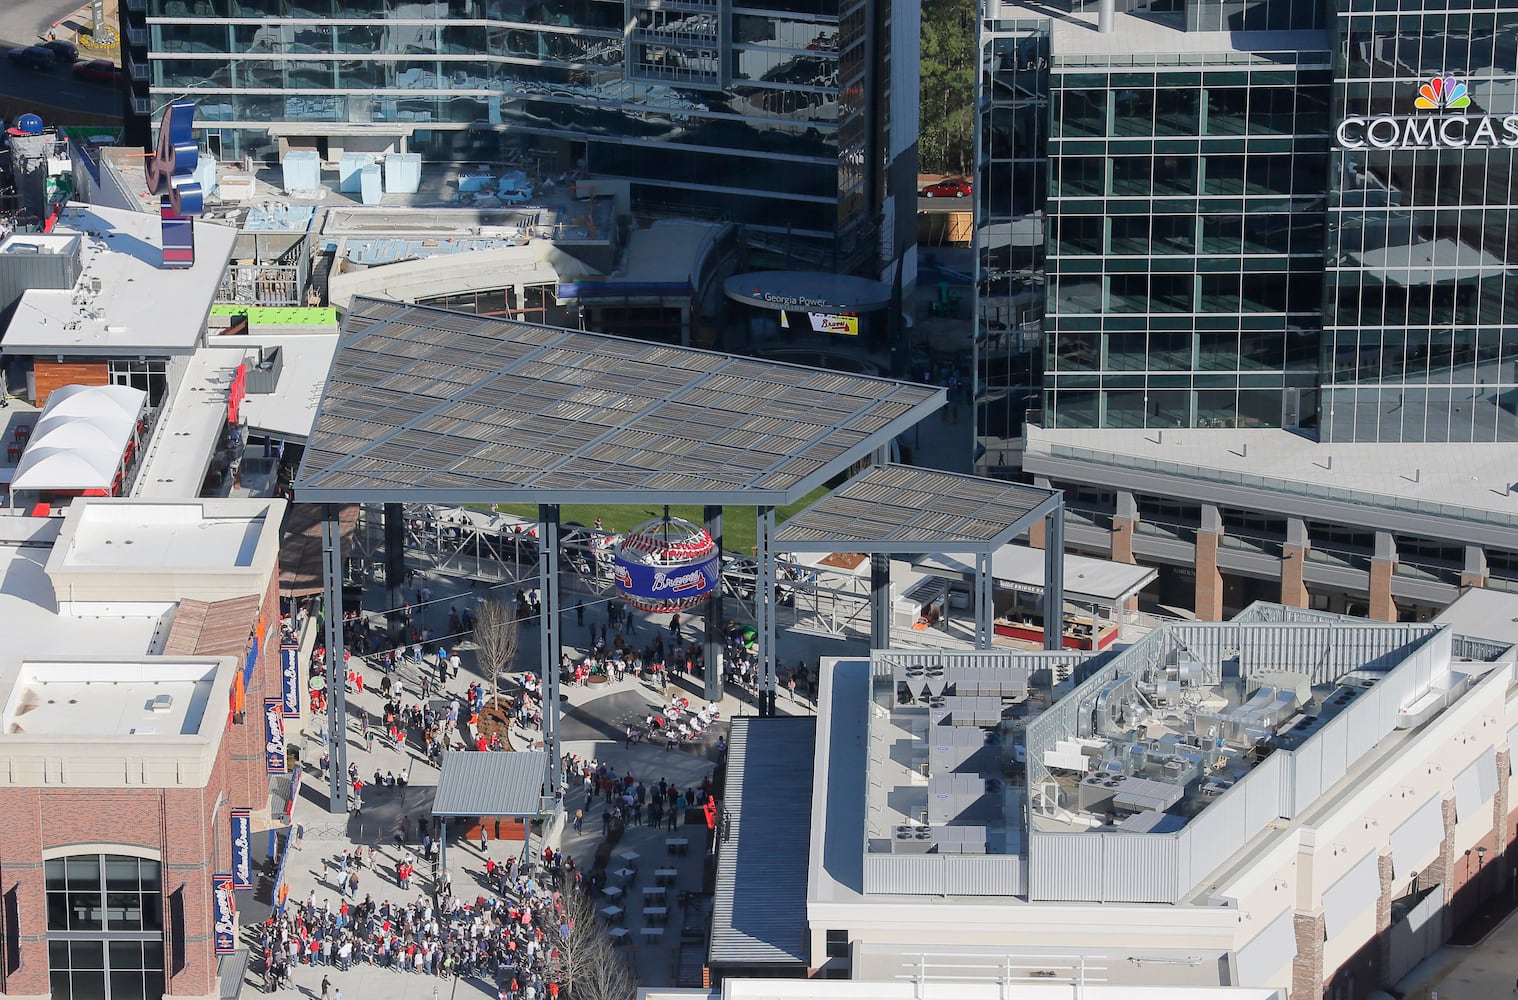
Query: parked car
33	57
98	70
62	51
949	188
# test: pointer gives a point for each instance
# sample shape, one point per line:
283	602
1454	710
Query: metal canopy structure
890	509
898	508
482	783
424	405
485	784
427	405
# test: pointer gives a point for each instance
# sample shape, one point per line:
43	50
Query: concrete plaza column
764	606
1036	533
1475	573
985	605
1054	577
337	707
1209	580
1124	521
715	638
880	600
1382	566
549	646
1293	559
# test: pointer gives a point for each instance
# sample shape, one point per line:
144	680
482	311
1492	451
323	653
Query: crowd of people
512	934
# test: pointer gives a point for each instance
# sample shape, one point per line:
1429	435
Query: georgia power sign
1450	128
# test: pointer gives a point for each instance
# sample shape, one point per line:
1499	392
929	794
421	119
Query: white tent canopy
80	438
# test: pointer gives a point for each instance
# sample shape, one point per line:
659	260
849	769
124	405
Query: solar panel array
423	399
901	504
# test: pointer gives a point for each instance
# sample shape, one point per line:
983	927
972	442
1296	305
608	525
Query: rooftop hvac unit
161	703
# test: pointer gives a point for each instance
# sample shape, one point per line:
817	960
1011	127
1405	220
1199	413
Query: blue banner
242	849
248	667
664	583
289	680
224	911
274	735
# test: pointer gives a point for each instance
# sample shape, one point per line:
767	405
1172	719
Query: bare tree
583	959
496	637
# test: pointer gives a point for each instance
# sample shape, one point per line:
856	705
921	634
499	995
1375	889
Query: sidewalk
1487	971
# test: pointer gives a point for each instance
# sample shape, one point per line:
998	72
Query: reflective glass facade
1421	321
1249	214
1185	243
758	110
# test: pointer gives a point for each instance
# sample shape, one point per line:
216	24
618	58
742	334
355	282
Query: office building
795	119
1288	800
138	634
1228	255
1279	215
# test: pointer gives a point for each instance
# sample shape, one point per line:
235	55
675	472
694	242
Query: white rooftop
290	409
140	308
175	461
1446	478
103	698
1021	568
163	535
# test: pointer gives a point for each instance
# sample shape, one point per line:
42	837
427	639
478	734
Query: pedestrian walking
326	988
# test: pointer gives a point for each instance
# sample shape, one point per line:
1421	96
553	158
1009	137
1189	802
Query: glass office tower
1274	213
1152	207
1422	314
759	111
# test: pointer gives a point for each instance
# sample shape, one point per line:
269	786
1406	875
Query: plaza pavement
594	718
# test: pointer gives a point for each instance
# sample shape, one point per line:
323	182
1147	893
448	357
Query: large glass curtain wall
1186	246
1422	328
1012	183
707	109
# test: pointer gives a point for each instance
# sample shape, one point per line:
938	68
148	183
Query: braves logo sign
171	175
289	680
694	580
224	909
242	853
274	735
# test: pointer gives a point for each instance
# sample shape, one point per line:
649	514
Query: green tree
947	106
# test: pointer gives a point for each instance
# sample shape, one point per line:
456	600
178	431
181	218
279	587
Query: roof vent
161	703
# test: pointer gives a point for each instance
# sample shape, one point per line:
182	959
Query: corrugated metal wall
946	874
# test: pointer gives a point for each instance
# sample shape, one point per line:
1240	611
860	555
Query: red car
99	70
948	188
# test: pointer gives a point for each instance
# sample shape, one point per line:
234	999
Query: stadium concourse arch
424	405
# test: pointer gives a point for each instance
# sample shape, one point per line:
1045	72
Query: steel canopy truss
424	405
898	509
427	405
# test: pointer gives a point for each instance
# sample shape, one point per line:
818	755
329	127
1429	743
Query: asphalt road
54	94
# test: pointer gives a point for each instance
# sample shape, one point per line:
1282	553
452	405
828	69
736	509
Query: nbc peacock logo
1443	93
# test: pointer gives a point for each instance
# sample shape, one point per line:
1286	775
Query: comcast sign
1448	127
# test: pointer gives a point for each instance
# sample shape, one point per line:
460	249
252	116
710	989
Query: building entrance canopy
811	291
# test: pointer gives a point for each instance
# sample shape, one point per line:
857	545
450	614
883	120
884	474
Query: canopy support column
1054	575
880	600
337	708
985	603
715	634
764	606
549	648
